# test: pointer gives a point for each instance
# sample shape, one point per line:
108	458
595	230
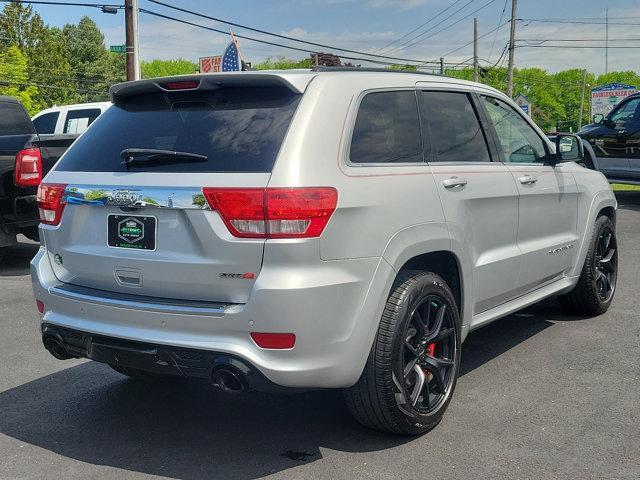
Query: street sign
118	48
211	64
605	97
524	103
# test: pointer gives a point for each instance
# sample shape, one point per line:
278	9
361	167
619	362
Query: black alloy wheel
428	357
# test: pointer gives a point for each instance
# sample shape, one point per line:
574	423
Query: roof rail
322	68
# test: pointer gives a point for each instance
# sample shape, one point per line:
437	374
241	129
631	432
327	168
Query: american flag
231	60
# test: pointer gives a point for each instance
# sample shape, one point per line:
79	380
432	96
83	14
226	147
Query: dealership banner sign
606	97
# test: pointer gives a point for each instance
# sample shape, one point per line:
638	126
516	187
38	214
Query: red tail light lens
274	212
181	85
50	202
274	341
27	170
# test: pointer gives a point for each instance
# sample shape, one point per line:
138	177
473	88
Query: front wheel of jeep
412	369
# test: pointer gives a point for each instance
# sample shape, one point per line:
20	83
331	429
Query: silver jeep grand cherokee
327	228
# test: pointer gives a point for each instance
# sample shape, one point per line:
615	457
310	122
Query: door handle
454	182
528	180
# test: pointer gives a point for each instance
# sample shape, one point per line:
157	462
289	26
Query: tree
163	68
93	67
15	77
283	63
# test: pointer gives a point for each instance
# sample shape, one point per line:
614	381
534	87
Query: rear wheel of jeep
594	291
413	366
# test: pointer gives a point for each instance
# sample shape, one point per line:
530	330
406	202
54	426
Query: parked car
327	228
68	118
616	141
25	157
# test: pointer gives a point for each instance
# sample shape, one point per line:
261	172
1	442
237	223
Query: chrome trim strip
138	302
181	198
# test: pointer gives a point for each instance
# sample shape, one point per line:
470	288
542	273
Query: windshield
236	129
625	111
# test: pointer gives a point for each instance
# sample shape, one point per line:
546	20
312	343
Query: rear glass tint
14	120
238	129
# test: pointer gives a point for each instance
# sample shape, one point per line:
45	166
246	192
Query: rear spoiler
201	82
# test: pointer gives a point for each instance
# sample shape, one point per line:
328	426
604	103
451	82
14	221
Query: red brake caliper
431	349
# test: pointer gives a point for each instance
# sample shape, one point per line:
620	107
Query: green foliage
94	67
14	72
283	63
163	68
410	68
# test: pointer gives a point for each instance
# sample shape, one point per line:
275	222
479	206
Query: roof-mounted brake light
180	85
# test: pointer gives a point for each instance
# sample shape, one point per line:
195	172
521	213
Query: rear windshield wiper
132	156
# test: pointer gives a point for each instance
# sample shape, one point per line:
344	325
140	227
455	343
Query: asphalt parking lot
541	396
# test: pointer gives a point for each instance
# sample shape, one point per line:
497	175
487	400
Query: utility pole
606	42
441	65
584	87
512	45
131	39
475	49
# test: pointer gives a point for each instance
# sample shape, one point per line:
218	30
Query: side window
46	123
77	121
387	129
626	111
14	120
519	141
455	129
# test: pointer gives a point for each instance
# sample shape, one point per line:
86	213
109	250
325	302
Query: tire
595	289
381	402
140	374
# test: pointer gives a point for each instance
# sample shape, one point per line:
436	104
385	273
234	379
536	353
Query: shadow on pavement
629	200
16	259
184	429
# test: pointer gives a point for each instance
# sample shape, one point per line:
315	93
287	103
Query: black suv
616	141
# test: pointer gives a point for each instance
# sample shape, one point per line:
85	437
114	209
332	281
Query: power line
451	25
68	4
537	40
419	26
186	22
284	37
504	9
579	46
581	22
481	36
430	29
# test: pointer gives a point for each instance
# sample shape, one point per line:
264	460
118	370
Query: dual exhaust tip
226	378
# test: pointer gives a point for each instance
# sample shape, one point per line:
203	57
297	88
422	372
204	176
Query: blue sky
368	25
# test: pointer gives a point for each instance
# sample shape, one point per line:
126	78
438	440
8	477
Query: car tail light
274	341
27	170
181	85
274	212
51	202
40	305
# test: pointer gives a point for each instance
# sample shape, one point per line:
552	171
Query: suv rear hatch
135	217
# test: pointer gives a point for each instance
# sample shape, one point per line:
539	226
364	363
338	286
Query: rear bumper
332	307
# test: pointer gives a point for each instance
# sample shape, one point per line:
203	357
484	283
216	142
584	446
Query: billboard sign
606	97
211	64
524	103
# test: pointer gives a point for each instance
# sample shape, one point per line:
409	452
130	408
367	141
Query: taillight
181	85
27	170
274	212
51	202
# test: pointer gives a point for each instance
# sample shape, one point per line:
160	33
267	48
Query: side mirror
569	148
598	118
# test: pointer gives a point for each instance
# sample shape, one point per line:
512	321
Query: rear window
77	121
14	120
46	124
238	129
